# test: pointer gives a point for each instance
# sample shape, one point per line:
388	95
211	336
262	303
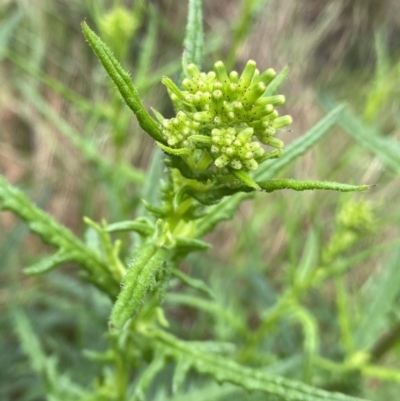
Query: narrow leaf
244	177
175	152
386	149
53	233
123	82
380	301
226	370
194	34
274	185
149	261
49	263
141	226
194	283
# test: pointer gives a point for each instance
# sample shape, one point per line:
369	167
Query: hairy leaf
124	84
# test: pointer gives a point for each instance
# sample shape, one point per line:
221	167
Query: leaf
175	152
124	84
208	196
193	41
219	312
52	233
49	263
149	261
186	171
140	225
7	29
381	297
194	283
274	185
58	386
191	244
244	177
181	369
226	370
386	149
147	377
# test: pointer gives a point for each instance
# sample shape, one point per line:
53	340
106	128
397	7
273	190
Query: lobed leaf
55	234
226	370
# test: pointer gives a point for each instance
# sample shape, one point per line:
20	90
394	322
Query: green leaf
175	152
194	34
181	369
194	283
381	298
226	370
140	225
148	262
191	244
209	196
274	185
186	171
124	84
55	234
219	312
58	386
148	376
7	28
49	263
244	177
386	149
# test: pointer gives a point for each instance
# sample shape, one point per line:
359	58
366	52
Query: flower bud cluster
230	109
179	129
234	147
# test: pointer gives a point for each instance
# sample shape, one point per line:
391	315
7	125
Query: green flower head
228	115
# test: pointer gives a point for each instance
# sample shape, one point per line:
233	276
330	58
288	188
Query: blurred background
69	142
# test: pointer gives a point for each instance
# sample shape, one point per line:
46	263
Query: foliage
210	157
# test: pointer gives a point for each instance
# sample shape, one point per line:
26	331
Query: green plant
210	149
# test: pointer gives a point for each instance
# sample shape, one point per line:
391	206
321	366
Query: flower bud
220	71
245	135
239	110
211	76
236	164
272	141
217	100
281	122
259	112
252	94
193	71
189	85
251	164
203	116
221	161
231	92
277	100
247	76
266	77
234	77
